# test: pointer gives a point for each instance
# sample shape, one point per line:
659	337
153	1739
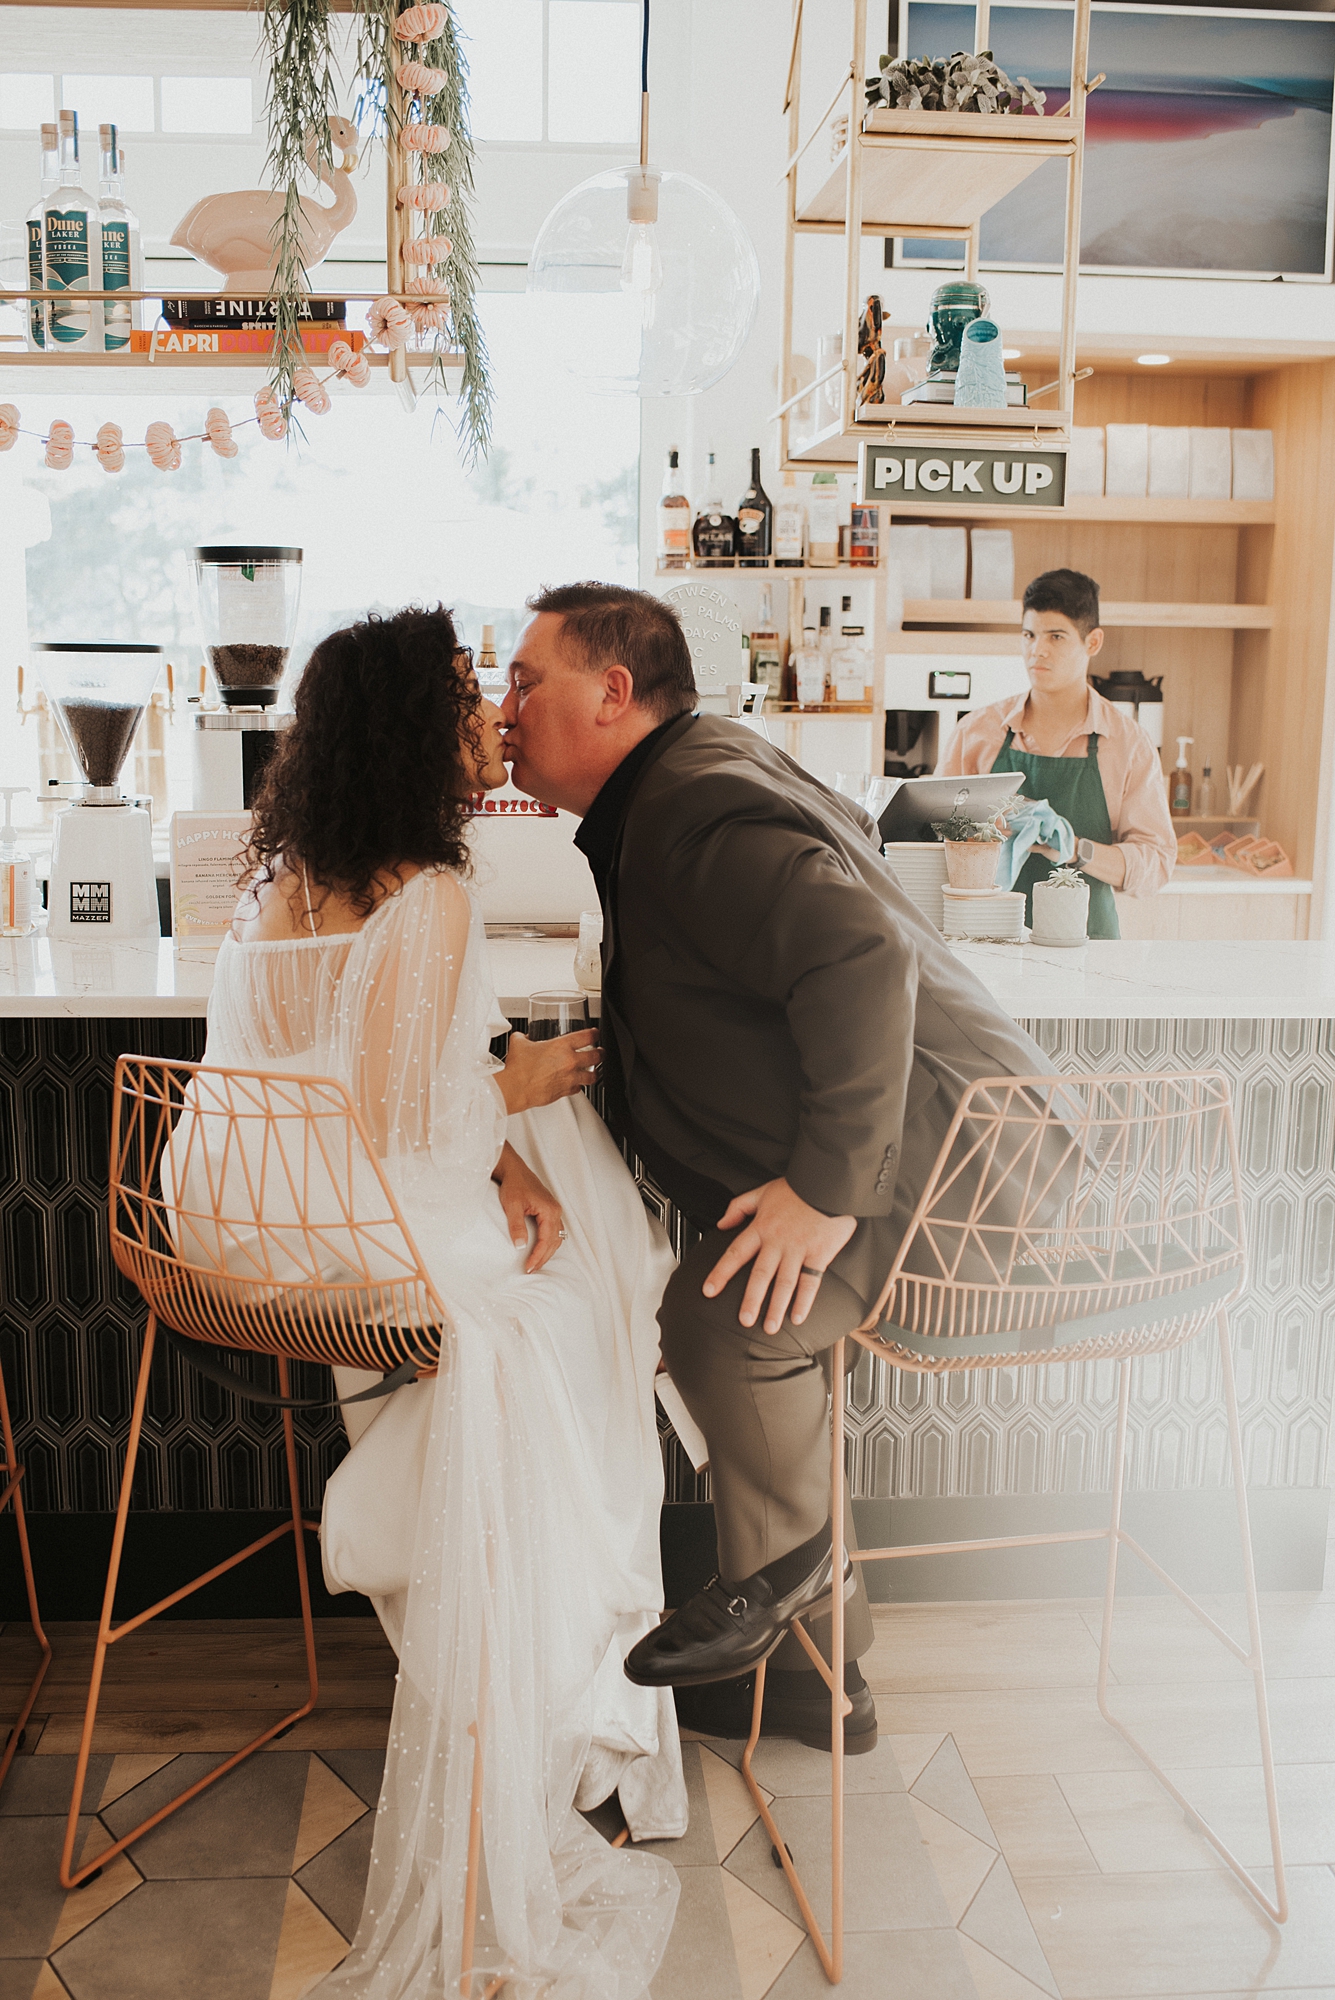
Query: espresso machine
248	597
102	883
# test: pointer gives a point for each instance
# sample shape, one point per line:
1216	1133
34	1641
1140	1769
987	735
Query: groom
785	1040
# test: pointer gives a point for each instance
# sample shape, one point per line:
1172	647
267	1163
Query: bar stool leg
11	1494
1252	1658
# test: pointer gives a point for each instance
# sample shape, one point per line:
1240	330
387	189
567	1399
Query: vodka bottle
767	651
809	672
36	325
122	257
790	527
72	251
674	520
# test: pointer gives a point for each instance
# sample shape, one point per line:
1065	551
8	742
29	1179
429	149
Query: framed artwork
1208	149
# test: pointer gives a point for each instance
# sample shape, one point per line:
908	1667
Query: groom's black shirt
698	1197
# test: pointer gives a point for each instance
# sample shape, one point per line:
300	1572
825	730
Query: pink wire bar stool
1065	1219
11	1495
234	1194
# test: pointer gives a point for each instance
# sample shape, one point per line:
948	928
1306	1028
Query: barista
1084	755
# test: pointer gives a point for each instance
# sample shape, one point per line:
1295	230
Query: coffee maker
248	599
102	883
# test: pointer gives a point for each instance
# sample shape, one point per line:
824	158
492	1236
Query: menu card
206	867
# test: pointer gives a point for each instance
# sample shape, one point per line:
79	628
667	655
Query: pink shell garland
218	431
110	455
273	424
60	445
354	368
425	138
428	195
164	447
9	426
388	323
434	314
421	24
425	249
310	390
416	78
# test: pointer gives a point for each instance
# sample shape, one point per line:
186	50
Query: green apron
1072	787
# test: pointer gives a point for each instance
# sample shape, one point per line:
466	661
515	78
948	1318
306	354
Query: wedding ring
564	1233
810	1271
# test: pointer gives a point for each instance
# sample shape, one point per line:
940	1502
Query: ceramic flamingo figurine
235	233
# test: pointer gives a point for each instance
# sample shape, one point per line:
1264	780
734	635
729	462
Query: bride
503	1515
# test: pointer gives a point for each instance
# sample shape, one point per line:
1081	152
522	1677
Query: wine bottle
790	527
674	519
72	251
767	651
36	326
715	532
755	520
122	258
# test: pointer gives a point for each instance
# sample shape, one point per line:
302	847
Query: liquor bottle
50	175
823	521
809	672
674	520
825	639
850	666
122	256
72	250
755	520
715	533
790	527
767	651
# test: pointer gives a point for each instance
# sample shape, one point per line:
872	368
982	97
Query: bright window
378	500
26	100
561	72
207	104
124	101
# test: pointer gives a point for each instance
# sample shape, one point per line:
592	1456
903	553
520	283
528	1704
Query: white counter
1103	980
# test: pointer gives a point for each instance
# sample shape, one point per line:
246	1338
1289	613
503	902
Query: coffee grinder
102	883
248	600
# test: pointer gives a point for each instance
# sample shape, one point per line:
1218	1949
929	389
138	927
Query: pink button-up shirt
1133	783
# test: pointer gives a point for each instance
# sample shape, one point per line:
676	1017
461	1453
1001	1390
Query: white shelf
1180	617
926	424
140	374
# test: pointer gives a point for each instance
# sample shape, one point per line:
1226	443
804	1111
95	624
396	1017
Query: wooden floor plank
170	1732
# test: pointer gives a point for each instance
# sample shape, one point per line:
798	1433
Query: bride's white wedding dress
503	1515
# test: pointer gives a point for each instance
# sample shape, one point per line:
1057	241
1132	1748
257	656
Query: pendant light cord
644	89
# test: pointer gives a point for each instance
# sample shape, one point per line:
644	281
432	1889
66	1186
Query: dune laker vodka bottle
50	175
72	252
122	260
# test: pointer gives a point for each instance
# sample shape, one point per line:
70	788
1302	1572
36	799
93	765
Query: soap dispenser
16	873
1179	803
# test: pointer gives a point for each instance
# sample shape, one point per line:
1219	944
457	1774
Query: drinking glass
553	1014
589	952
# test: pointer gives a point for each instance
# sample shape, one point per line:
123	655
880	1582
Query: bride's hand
537	1073
523	1195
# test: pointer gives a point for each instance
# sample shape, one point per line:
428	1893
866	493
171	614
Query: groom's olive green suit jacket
778	1005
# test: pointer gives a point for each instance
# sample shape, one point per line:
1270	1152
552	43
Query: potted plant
971	850
1061	907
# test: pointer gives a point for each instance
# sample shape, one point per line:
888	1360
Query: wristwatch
1084	852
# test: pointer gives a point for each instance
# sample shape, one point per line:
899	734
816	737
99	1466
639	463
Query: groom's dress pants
762	1401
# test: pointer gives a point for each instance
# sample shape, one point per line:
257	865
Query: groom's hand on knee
788	1244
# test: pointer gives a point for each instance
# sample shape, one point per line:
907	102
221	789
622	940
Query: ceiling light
1153	360
648	281
1012	353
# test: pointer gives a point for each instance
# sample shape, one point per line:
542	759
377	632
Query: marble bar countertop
1102	980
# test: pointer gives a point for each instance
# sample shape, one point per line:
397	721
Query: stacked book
225	323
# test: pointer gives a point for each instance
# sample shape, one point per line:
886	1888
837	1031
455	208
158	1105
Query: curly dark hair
370	774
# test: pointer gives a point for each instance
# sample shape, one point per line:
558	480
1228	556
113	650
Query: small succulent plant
1066	878
959	82
959	827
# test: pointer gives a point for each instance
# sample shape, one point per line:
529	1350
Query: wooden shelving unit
1163	617
915	174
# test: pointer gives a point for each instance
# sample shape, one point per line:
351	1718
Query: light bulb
642	268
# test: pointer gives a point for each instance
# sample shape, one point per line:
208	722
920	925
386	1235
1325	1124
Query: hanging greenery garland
424	100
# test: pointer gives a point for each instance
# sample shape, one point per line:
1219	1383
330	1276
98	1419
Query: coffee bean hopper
249	596
102	883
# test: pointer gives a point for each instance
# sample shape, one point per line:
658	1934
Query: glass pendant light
648	281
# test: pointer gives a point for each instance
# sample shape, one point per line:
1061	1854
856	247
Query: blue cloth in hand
1033	823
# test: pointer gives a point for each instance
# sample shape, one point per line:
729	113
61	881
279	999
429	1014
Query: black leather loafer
727	1628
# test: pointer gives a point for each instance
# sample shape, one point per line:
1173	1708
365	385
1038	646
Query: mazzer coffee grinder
102	884
248	602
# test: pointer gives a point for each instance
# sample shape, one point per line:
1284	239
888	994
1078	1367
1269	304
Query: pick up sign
919	476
